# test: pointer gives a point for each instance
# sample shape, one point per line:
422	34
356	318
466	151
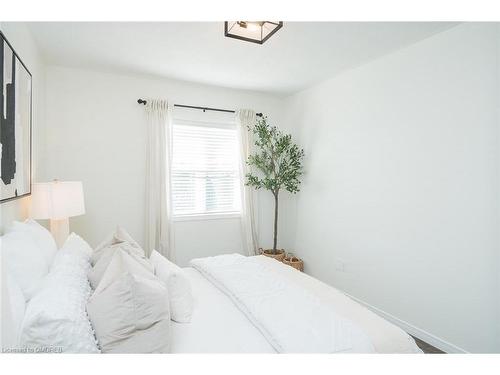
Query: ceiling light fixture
251	31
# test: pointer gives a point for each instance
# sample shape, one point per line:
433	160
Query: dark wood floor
427	348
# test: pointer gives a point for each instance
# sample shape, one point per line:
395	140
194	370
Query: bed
219	326
223	304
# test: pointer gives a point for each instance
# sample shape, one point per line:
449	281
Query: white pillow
129	310
96	273
120	235
77	244
56	316
42	237
13	308
179	287
24	260
76	251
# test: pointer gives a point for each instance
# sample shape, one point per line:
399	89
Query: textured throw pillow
96	273
129	310
120	235
74	250
42	237
178	285
77	244
24	260
56	317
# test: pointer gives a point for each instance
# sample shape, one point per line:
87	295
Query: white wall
20	38
96	134
402	183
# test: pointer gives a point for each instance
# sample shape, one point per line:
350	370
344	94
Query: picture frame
16	124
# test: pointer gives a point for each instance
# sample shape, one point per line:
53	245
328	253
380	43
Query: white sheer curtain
244	119
159	233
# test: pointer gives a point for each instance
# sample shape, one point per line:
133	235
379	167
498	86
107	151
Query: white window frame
221	215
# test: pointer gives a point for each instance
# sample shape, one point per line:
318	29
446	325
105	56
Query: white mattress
218	326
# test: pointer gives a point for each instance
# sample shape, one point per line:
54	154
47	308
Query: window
205	165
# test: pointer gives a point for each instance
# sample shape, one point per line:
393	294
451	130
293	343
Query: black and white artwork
15	124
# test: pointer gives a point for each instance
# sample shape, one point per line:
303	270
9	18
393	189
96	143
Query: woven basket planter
294	262
279	256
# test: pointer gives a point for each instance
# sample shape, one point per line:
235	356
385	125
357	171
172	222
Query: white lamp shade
57	200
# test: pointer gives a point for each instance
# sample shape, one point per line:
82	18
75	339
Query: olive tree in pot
279	163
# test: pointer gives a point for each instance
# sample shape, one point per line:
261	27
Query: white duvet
289	315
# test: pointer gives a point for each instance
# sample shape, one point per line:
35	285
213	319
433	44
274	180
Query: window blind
205	170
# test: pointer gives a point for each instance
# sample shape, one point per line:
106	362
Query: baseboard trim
429	338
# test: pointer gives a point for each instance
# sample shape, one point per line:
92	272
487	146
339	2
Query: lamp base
59	230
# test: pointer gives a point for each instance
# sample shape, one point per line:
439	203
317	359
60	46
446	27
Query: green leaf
278	160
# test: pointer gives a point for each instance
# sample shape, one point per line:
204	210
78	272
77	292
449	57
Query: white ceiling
297	56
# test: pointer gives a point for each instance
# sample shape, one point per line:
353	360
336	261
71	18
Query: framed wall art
15	124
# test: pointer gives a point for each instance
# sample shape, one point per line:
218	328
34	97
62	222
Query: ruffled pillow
56	317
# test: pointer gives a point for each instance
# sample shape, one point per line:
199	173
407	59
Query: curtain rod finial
141	101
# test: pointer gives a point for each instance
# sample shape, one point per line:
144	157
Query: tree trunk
275	241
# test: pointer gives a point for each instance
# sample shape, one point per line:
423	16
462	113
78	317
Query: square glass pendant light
251	31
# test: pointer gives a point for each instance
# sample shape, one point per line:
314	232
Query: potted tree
279	162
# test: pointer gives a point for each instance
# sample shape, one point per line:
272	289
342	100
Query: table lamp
57	201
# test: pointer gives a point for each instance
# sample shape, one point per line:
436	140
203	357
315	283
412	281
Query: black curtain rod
142	101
